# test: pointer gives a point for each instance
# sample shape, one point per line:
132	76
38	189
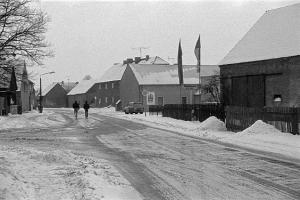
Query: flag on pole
198	53
179	63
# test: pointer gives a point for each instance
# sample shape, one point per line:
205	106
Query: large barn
263	68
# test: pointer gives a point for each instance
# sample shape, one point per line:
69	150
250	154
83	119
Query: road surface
161	164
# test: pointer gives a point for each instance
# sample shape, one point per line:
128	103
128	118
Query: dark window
184	100
160	101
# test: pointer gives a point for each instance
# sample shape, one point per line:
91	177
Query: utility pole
140	49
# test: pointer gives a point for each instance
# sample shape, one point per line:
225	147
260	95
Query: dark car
134	107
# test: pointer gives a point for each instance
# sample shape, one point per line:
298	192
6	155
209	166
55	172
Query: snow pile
260	127
31	119
212	123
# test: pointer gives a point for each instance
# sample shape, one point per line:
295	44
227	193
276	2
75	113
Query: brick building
163	82
263	68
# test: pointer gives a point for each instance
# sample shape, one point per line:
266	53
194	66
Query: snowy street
107	157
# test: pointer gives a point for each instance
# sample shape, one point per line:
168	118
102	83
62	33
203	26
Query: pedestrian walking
86	107
76	108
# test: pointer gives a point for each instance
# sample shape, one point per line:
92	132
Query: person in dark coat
86	107
76	108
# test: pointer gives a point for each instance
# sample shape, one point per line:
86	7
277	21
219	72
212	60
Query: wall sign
150	98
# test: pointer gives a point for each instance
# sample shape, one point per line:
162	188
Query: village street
158	164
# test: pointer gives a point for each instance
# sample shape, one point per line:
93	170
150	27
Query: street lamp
40	106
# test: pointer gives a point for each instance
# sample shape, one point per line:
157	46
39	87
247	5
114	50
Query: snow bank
31	119
260	127
212	123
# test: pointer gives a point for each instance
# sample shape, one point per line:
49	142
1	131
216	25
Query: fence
155	109
285	119
190	112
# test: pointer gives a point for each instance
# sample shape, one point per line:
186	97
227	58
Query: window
160	101
112	85
112	100
106	99
184	100
100	86
99	100
105	85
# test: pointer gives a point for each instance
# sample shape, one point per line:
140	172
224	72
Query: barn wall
278	77
294	82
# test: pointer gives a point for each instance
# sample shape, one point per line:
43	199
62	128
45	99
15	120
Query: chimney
137	60
62	83
147	57
124	62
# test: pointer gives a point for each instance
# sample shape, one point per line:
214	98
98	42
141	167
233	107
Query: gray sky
89	36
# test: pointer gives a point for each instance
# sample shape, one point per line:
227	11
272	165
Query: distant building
55	94
162	82
263	68
8	87
107	90
25	95
82	92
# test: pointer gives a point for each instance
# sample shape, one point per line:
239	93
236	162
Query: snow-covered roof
275	35
114	73
154	61
83	86
48	88
68	86
168	74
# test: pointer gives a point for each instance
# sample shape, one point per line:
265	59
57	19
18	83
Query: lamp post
41	106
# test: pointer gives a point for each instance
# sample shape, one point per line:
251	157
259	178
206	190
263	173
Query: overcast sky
90	36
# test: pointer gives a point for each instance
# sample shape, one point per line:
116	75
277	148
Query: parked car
134	107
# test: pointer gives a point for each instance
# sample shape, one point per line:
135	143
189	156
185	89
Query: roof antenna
140	49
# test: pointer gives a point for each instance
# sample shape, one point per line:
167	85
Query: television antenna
140	49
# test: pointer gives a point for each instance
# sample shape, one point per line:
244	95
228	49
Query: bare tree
213	87
22	30
22	33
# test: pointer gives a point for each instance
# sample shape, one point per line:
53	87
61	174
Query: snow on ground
32	119
27	173
259	136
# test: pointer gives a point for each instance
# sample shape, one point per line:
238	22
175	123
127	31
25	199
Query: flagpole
199	67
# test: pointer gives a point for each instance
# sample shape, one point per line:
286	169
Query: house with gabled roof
8	88
25	95
156	60
263	68
163	83
108	87
83	91
54	96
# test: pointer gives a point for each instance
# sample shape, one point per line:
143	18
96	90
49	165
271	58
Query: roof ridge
283	7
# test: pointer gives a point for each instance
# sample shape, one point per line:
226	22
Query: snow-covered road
110	158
